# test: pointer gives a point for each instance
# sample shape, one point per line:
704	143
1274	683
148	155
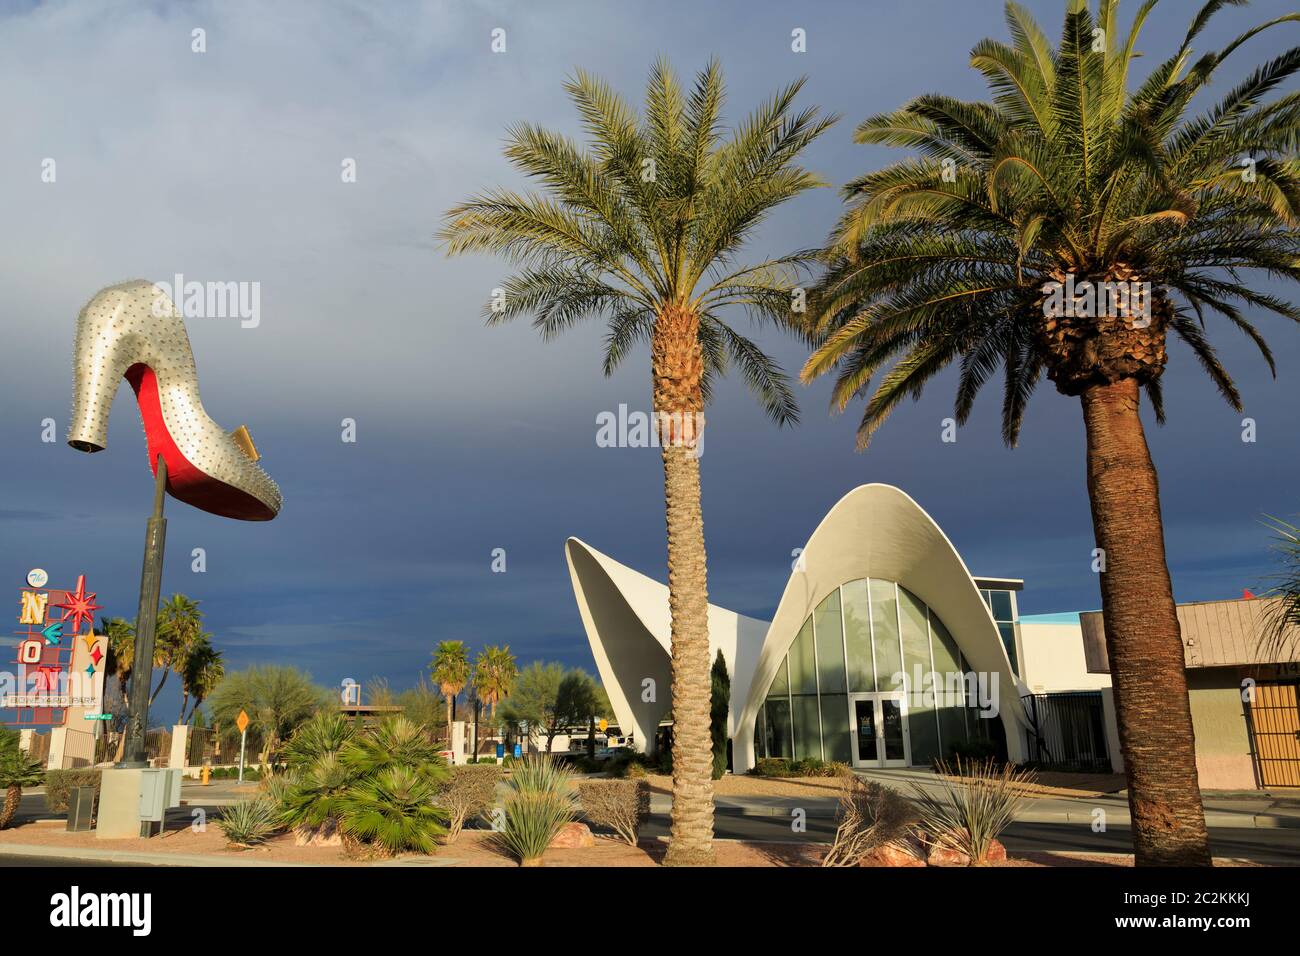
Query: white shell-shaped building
884	650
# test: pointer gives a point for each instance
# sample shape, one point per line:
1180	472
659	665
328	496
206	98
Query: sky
226	165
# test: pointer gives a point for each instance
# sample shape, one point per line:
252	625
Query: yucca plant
394	810
979	800
249	822
540	803
1068	229
644	228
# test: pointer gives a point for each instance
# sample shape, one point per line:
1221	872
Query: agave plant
394	810
249	822
539	805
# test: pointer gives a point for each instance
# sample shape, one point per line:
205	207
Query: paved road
1279	847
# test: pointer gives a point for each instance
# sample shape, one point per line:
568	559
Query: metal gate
1275	733
1068	731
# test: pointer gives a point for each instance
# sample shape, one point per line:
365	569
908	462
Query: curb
76	855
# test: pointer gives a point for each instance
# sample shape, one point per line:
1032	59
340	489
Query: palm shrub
978	801
324	734
539	804
249	822
643	228
17	770
394	810
395	742
468	792
1066	229
869	815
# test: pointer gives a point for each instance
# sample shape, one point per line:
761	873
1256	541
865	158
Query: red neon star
79	605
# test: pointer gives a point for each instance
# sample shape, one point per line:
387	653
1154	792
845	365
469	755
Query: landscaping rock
905	852
573	836
946	856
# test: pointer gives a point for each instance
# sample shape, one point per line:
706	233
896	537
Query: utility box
159	791
81	808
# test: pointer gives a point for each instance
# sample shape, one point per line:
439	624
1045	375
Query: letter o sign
29	652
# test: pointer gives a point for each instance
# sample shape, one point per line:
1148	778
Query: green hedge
59	783
807	767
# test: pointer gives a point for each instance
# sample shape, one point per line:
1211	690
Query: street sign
97	716
604	725
242	721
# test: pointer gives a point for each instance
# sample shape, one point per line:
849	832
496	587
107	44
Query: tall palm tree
643	229
960	256
179	630
495	673
450	671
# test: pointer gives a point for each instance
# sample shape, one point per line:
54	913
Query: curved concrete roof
878	531
874	531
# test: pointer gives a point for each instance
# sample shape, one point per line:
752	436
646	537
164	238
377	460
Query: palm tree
495	672
180	629
450	671
643	229
17	770
119	641
1067	176
203	669
1284	616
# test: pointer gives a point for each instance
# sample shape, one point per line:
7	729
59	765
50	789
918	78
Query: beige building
1243	681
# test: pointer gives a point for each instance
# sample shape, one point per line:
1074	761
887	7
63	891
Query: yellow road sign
604	724
242	721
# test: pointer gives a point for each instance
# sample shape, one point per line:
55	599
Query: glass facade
868	637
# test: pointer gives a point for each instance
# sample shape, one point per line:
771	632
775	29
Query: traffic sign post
242	723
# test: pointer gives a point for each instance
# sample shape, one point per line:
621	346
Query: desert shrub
869	815
249	822
636	765
978	801
620	805
394	810
538	806
468	792
805	767
59	783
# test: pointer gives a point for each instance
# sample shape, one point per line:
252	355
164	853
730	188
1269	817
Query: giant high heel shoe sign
134	331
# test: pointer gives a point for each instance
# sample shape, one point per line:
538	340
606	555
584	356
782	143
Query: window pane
807	729
778	727
950	696
1000	602
884	629
922	721
1009	642
803	667
836	737
857	635
780	683
830	645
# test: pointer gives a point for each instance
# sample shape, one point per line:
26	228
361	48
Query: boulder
947	856
905	852
573	836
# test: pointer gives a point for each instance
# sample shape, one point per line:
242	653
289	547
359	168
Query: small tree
276	698
719	707
536	699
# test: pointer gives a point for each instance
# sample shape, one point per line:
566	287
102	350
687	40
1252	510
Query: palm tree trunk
448	721
13	795
1143	638
677	367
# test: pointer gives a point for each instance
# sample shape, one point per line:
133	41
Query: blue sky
226	165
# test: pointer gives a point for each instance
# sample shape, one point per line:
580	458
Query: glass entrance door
879	727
